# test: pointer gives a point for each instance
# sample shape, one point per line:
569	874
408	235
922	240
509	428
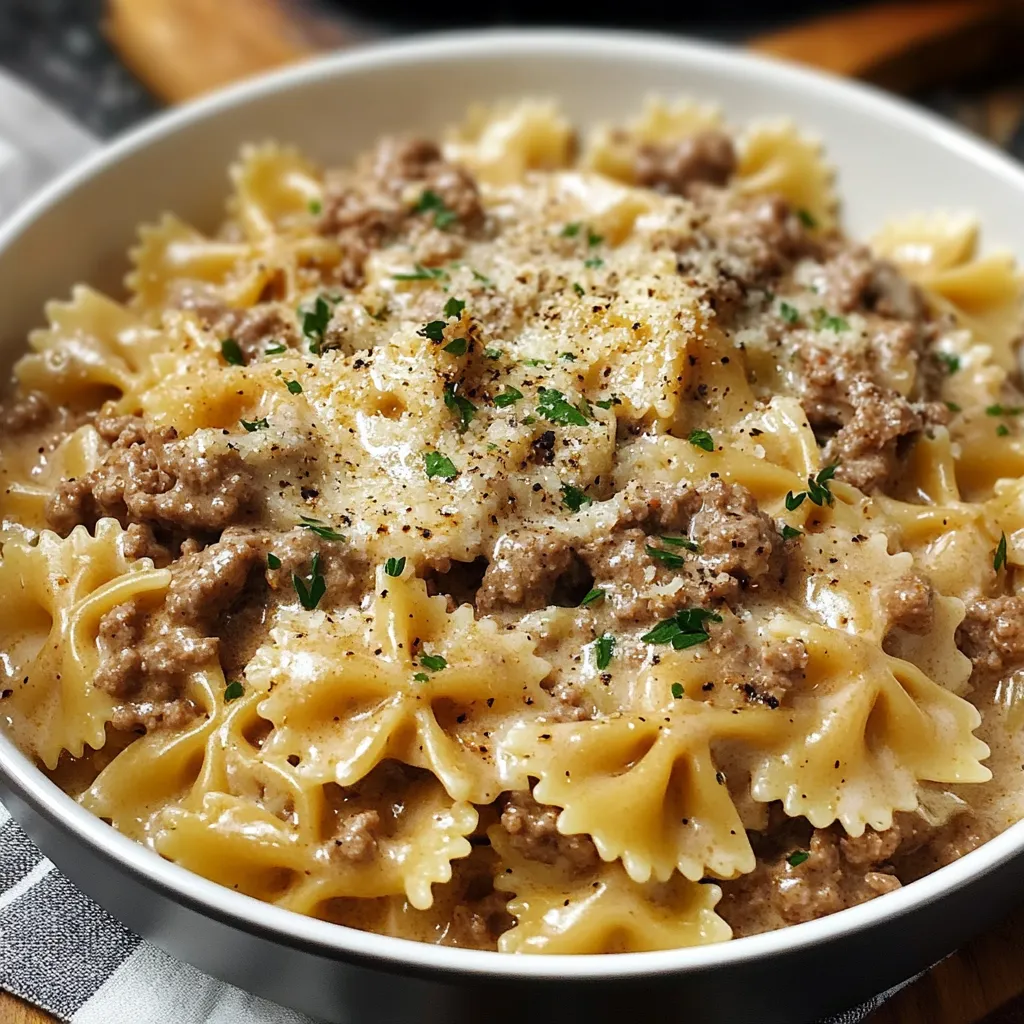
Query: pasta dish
530	541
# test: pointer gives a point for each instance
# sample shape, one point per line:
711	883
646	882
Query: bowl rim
327	939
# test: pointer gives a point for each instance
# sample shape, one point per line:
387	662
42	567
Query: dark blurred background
110	63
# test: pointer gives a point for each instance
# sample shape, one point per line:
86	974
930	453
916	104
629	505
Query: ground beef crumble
533	833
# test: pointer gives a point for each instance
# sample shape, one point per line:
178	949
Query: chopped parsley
578	289
421	273
797	857
604	647
682	542
552	406
275	350
571	230
574	499
593	239
685	629
702	439
670	559
607	403
233	691
231	352
431	202
817	490
321	529
536	362
273	562
394	566
789	532
314	324
999	560
806	218
948	360
315	207
293	386
677	691
789	313
597	594
507	397
569	357
1002	430
454	307
825	321
456	347
483	279
593	263
1004	410
434	662
953	407
439	465
421	677
253	425
461	406
434	330
492	353
310	588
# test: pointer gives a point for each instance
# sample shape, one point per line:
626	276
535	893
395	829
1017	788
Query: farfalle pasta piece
91	347
408	681
777	159
984	293
600	911
59	590
274	187
646	786
866	729
501	144
612	149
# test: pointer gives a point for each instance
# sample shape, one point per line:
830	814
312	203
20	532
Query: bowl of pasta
531	522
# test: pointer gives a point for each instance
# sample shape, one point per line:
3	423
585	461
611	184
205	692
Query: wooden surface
181	48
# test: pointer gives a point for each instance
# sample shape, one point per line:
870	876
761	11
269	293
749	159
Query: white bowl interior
892	160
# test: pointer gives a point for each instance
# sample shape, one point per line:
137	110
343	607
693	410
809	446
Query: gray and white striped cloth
58	949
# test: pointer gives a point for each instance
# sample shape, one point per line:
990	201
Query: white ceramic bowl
892	160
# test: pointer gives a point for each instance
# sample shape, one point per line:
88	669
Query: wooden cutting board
182	48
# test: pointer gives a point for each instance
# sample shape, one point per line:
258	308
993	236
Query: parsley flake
492	353
806	218
1002	430
825	321
310	588
439	465
552	406
459	405
702	439
682	542
275	350
483	279
434	662
594	263
794	501
571	230
594	239
433	330
273	562
685	629
597	594
607	403
315	207
293	386
574	499
321	529
253	425
953	407
817	489
431	202
314	324
789	313
948	360
232	353
569	357
421	273
670	559
421	677
454	307
604	647
507	397
395	566
578	289
456	347
677	691
999	560
789	532
797	857
1004	410
233	691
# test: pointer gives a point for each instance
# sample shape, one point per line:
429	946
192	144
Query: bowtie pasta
530	542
